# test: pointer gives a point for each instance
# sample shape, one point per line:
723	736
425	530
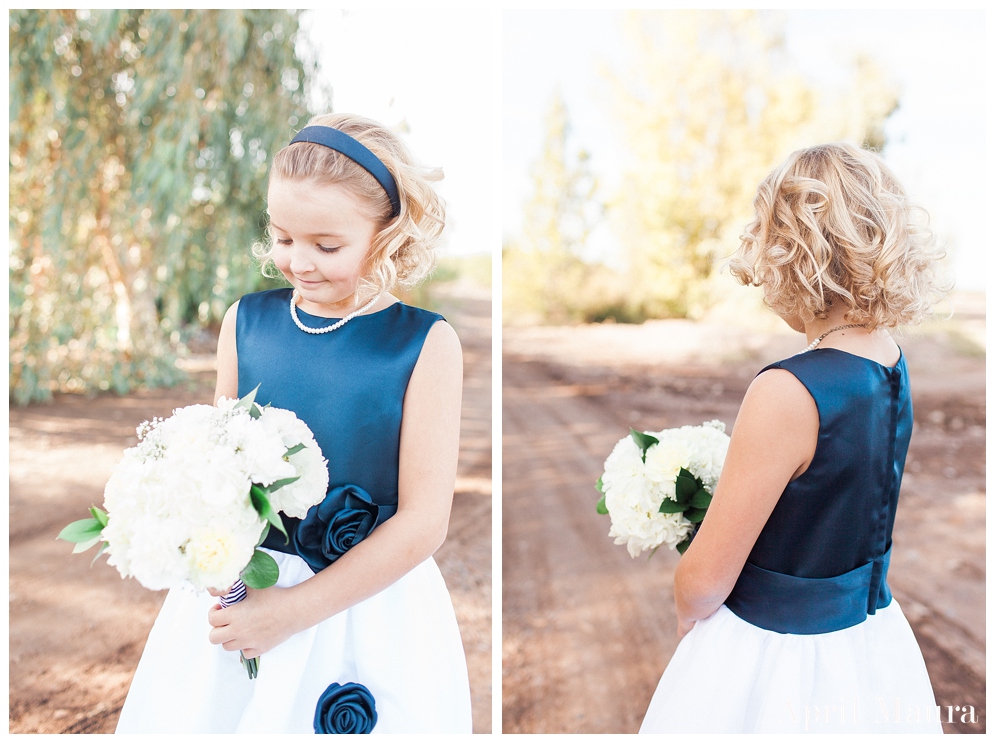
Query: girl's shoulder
436	338
266	299
420	313
837	380
835	366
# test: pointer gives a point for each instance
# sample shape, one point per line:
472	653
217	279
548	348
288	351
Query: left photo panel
250	304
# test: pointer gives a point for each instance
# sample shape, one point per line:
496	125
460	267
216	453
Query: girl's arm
428	453
227	358
772	442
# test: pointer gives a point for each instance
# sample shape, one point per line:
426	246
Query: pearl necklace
330	328
818	340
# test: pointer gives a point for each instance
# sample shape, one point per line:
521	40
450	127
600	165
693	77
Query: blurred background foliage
708	105
544	273
139	146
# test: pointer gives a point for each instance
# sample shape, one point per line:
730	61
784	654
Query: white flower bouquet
657	485
195	498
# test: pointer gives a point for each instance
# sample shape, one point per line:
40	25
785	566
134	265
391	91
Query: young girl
787	620
359	632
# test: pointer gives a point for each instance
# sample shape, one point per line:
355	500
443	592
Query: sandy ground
76	632
587	630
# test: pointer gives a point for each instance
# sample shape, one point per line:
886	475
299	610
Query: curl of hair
403	249
833	224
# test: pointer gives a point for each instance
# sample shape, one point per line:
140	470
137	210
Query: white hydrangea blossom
178	504
311	467
634	490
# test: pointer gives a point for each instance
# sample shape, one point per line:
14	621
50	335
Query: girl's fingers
215	616
223	636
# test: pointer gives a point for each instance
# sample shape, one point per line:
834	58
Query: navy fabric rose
345	708
344	519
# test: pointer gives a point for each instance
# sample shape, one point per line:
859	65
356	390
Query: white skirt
729	676
403	644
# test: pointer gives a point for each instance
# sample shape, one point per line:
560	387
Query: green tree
710	104
545	275
139	142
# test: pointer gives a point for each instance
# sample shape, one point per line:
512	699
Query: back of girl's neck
876	345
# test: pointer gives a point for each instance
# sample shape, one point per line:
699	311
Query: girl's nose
300	261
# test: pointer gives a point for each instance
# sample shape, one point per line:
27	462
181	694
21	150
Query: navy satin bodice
820	563
348	385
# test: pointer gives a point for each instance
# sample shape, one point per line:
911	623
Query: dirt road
76	632
587	630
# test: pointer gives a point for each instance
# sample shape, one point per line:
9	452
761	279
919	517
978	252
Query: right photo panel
743	452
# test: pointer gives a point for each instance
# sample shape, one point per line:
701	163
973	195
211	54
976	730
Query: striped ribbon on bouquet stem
236	594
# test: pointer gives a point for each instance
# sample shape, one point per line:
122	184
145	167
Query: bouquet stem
236	594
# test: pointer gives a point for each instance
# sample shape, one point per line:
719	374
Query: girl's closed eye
325	249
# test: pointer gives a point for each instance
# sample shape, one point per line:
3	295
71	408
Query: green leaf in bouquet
261	572
701	499
293	450
695	515
643	440
262	535
600	486
84	546
99	514
672	506
102	550
249	403
602	508
249	400
682	547
262	505
83	530
686	486
280	483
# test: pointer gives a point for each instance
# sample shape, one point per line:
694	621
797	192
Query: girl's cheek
281	259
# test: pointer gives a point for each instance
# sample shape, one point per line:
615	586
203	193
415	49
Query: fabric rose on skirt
344	709
344	519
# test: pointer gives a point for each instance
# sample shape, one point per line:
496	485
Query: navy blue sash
810	606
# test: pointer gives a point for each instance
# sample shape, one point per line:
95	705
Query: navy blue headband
333	139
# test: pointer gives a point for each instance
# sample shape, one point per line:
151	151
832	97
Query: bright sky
936	138
431	72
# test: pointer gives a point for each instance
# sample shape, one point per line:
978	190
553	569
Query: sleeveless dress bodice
810	640
348	385
402	643
820	562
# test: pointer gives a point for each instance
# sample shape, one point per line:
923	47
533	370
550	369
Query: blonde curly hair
403	250
834	224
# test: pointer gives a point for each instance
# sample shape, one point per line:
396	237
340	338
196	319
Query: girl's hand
219	592
255	625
